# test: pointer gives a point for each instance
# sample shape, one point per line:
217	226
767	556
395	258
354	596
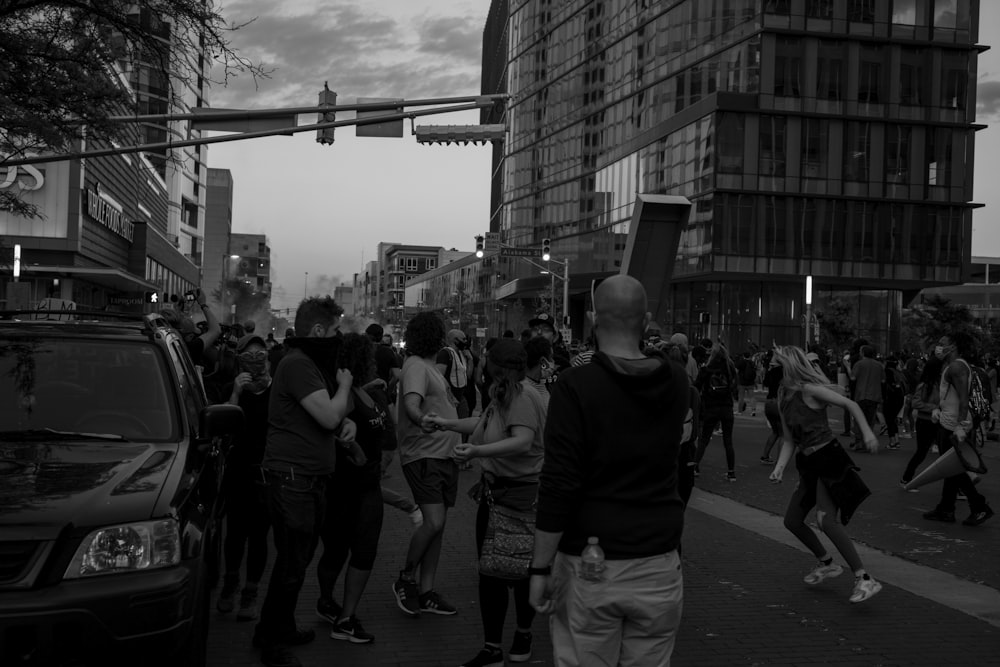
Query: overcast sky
325	208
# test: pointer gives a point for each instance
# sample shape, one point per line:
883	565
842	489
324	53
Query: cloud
360	52
988	100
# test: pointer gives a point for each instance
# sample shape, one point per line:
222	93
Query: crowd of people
587	463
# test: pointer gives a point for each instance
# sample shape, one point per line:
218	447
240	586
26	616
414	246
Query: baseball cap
812	356
509	353
375	331
246	340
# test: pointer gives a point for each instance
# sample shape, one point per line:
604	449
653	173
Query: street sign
480	332
520	252
492	240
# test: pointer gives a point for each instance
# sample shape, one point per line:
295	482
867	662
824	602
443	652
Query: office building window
782	7
897	153
772	146
939	152
819	9
830	70
861	11
411	263
857	148
729	143
912	82
952	14
787	67
870	85
955	70
815	147
908	12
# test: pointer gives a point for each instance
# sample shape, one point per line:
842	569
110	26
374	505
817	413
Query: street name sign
520	252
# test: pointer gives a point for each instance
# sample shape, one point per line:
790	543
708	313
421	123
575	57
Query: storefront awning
111	278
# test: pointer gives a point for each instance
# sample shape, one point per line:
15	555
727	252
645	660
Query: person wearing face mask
246	508
307	421
955	424
452	363
540	366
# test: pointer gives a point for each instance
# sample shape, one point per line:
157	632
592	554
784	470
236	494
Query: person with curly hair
354	496
426	456
828	478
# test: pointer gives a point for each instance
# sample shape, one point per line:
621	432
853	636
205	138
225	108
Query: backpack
895	383
720	383
979	403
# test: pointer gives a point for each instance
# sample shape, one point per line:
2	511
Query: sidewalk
745	603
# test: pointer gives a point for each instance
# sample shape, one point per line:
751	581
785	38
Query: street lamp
305	286
225	286
809	301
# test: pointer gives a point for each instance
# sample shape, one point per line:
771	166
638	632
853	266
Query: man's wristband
540	571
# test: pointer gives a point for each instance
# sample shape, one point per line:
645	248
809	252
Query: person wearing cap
543	325
430	470
247	525
507	440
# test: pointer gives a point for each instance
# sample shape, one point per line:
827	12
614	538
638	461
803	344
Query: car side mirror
219	420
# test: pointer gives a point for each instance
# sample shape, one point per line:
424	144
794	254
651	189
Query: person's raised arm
330	412
214	329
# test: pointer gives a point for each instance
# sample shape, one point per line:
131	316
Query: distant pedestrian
955	423
894	392
924	401
430	470
747	374
869	376
828	478
717	385
612	440
772	412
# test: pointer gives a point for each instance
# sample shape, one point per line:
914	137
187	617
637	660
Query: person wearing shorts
426	455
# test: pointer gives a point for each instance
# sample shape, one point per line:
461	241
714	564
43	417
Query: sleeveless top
950	402
809	427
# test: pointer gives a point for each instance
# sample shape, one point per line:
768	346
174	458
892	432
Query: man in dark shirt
387	364
306	420
612	439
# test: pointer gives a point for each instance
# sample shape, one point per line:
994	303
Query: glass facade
831	139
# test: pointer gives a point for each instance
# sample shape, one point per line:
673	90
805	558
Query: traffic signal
479	246
546	249
151	297
327	98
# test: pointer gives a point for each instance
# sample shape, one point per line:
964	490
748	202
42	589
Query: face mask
548	370
942	351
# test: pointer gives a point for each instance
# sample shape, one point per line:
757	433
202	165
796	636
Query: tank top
950	401
809	426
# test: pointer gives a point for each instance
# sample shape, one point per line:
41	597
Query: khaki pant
629	619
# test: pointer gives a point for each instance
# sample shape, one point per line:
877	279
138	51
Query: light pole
225	286
305	286
809	302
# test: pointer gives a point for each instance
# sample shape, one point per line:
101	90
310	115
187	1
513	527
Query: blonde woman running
828	478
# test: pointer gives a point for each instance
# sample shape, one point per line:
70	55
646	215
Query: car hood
47	486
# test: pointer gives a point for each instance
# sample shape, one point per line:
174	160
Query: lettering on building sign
109	216
34	181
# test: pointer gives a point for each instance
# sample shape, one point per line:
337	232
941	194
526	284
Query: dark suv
110	465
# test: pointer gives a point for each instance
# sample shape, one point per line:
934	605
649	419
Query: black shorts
432	481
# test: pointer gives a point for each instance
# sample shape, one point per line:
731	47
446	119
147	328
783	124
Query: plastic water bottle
592	561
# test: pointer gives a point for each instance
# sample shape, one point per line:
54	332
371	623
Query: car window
190	384
91	386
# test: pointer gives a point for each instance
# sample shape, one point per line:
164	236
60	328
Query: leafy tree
936	316
837	323
64	61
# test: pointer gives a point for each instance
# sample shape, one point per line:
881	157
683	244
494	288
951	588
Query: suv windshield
84	386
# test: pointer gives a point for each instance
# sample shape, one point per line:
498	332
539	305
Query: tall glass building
812	138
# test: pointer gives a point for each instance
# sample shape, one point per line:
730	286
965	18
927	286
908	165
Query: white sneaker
864	589
417	517
823	572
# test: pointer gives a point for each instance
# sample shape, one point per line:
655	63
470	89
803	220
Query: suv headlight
129	547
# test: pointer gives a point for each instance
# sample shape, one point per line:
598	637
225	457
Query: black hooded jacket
612	437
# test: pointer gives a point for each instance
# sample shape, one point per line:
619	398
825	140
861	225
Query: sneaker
893	445
417	517
350	630
248	605
433	603
279	655
328	610
864	588
961	496
934	449
823	572
731	476
979	517
938	515
407	596
903	483
227	596
520	648
766	460
488	656
717	431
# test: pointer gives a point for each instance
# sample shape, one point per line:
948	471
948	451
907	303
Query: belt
289	474
815	448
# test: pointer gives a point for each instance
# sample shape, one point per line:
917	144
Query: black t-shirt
385	361
373	422
248	446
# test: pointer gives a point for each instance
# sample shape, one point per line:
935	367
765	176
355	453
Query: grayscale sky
325	208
